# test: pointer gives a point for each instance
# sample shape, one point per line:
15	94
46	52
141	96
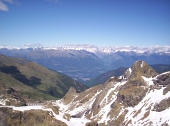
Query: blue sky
93	22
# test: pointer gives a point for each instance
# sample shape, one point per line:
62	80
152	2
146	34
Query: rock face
11	97
9	117
130	99
162	105
163	80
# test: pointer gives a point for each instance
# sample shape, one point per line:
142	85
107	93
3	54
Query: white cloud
3	6
33	45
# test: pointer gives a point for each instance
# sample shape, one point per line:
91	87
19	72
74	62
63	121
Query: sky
93	22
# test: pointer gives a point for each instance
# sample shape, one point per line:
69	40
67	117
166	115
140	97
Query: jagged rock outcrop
70	95
163	80
162	105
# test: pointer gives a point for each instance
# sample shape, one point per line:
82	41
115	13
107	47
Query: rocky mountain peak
143	69
138	69
134	90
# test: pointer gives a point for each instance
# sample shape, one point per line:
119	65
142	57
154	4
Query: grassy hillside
34	81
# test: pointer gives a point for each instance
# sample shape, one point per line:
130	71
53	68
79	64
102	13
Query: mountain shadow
14	72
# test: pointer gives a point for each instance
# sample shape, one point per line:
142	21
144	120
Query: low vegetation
33	81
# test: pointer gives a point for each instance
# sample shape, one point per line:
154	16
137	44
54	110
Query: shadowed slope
34	81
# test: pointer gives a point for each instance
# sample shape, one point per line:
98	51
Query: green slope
33	81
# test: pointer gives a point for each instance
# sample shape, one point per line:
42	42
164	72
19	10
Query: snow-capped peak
94	49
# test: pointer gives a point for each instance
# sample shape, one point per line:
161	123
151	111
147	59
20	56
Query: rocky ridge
125	100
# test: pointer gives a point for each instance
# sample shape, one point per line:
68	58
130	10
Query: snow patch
3	101
140	114
85	106
142	64
130	71
106	107
148	80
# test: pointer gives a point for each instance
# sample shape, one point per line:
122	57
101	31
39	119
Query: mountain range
140	96
84	62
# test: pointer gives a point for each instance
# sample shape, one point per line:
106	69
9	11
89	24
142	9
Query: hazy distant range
86	62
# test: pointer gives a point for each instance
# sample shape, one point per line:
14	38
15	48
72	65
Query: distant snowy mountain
84	62
93	48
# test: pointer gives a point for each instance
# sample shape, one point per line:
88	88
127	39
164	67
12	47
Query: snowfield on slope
82	108
143	113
